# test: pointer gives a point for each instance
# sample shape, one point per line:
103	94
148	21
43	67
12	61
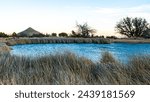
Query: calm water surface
91	51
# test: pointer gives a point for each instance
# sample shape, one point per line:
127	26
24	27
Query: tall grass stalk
69	69
57	40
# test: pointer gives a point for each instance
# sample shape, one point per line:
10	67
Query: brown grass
4	48
131	40
69	69
56	40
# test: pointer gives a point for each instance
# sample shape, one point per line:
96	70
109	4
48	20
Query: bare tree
85	30
132	27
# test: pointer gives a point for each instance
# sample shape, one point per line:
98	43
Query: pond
91	51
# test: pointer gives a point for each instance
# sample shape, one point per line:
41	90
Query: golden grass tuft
69	69
107	58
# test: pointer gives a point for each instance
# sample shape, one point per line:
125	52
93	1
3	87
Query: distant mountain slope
29	32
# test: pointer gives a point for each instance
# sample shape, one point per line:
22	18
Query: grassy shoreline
133	41
69	69
45	40
14	41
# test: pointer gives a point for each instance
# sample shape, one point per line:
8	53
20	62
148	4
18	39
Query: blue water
91	51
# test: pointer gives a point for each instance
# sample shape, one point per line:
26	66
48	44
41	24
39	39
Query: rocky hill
29	32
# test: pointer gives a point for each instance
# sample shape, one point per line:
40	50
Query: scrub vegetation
69	69
57	40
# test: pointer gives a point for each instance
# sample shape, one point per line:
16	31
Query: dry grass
2	40
4	48
131	40
56	40
69	69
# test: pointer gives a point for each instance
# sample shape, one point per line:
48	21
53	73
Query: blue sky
49	16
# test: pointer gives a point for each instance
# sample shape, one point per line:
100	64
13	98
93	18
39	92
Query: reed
4	48
69	69
56	40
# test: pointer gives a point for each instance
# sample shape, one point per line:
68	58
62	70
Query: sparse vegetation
68	69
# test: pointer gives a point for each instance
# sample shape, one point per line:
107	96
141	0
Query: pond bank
5	43
128	40
4	48
46	40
